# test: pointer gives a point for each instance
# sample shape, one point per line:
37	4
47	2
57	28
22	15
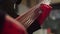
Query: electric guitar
39	12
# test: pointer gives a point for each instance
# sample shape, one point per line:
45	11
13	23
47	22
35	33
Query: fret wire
29	23
30	13
32	21
27	17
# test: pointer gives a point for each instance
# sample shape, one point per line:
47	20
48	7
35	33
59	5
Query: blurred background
30	3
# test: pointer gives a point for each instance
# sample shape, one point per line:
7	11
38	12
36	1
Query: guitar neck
28	17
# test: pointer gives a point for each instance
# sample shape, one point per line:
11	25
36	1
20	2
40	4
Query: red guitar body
11	28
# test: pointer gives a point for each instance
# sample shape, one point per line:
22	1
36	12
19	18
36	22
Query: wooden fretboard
28	17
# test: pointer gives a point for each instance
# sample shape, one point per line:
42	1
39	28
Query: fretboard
30	16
